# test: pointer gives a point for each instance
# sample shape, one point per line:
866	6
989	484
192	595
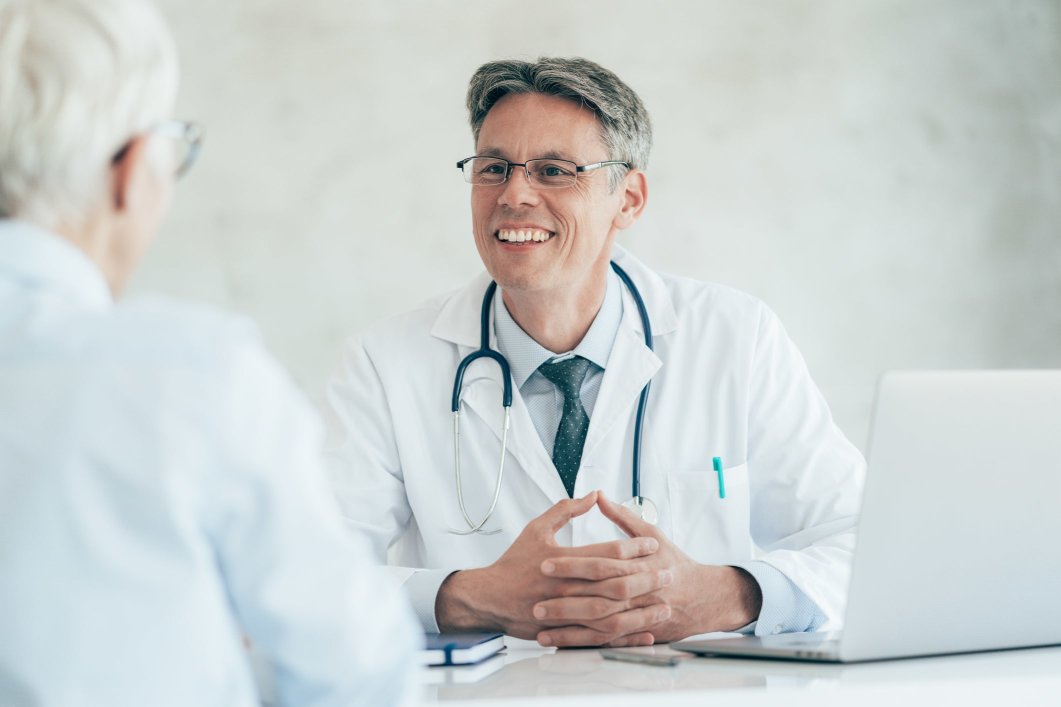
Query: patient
160	488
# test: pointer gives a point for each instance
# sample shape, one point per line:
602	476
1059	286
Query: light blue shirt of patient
785	608
161	495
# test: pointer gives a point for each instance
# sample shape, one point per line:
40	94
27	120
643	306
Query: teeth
522	236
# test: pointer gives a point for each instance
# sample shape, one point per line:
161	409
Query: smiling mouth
523	235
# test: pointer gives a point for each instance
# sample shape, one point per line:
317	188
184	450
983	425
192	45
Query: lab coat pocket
710	528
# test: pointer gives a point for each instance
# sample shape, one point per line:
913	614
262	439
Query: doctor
525	534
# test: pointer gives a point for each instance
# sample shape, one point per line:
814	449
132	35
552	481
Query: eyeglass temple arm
598	165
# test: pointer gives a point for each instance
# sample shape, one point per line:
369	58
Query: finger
620	588
563	511
576	610
626	519
617	549
634	639
582	601
607	629
592	569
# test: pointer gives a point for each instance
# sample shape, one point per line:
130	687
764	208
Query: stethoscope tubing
642	403
484	351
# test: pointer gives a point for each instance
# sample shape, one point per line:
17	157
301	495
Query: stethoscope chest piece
643	508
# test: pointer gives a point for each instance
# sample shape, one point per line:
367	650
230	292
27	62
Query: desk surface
529	674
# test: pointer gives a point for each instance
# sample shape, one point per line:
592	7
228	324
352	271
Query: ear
634	195
127	171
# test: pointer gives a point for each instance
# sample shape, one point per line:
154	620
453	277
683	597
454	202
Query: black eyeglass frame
578	169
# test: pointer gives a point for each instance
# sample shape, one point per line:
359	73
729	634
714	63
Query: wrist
458	605
730	598
746	598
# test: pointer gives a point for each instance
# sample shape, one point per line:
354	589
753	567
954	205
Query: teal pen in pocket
717	461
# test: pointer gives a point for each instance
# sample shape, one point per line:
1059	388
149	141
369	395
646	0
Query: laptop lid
959	541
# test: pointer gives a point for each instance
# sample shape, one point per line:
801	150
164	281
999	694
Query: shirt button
778	629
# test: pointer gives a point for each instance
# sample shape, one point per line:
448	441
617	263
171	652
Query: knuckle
588	569
558	637
599	608
646	600
623	590
660	613
598	571
610	625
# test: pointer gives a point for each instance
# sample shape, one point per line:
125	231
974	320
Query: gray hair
78	78
625	126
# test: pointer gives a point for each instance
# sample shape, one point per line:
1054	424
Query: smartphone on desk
648	655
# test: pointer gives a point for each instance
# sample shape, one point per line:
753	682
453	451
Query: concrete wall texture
885	174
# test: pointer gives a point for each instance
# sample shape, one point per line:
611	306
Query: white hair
78	79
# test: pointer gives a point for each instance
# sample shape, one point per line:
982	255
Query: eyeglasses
546	173
186	137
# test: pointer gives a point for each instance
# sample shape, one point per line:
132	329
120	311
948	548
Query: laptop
959	538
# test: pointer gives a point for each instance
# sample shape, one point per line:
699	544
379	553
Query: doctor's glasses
546	173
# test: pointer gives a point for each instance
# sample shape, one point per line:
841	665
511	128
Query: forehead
527	125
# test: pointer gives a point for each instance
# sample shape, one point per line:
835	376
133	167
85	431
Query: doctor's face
541	240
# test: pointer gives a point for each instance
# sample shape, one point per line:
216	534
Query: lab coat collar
39	259
658	302
631	364
458	320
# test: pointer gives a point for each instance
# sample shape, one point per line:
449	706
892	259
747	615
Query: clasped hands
632	592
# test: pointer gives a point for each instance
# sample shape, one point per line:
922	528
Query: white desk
537	676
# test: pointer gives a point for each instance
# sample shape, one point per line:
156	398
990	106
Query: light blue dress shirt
161	493
785	608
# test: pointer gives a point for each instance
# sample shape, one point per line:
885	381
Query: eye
493	168
553	170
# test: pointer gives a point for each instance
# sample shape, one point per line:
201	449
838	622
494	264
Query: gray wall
886	175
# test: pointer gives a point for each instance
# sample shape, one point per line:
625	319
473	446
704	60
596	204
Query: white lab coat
726	381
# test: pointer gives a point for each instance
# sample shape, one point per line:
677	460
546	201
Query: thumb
562	512
626	519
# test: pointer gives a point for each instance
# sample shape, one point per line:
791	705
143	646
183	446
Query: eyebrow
548	155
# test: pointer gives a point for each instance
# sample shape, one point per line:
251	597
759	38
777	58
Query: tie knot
567	375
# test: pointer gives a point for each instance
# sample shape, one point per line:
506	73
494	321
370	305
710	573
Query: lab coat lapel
524	445
631	364
458	322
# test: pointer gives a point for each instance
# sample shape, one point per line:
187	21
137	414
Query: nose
517	189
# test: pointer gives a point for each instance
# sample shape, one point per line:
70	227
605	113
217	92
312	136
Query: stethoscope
641	505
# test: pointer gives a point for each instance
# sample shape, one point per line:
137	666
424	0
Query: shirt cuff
422	588
786	609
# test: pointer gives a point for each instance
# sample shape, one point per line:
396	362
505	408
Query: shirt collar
37	258
525	355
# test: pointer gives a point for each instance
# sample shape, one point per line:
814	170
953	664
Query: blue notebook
460	648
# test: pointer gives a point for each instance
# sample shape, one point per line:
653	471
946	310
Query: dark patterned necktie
567	376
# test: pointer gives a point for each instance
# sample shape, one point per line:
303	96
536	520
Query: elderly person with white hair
161	491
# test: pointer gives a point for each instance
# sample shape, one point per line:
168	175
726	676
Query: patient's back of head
161	493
